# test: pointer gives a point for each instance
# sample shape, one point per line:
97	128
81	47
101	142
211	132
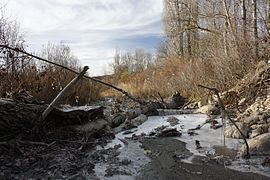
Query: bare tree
244	10
255	28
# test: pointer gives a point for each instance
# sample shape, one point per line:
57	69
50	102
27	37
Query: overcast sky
92	28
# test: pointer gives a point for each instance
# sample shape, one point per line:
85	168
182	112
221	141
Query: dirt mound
255	84
251	97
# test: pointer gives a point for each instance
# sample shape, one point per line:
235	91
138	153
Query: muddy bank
166	155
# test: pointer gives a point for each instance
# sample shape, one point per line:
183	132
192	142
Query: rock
129	124
203	109
133	113
157	130
210	109
260	106
117	119
232	132
175	101
254	126
167	112
198	144
258	145
193	105
256	132
173	120
125	162
201	104
264	127
266	161
151	108
116	106
251	120
169	132
261	129
222	160
192	132
96	128
134	137
128	132
216	126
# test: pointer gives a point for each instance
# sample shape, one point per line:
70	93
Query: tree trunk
268	16
179	30
255	28
244	10
229	24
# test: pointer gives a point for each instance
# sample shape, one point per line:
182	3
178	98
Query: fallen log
18	118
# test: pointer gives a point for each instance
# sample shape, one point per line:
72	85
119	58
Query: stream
209	139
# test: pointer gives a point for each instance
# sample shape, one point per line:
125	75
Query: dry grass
183	75
45	83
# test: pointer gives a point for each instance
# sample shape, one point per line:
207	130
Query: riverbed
174	155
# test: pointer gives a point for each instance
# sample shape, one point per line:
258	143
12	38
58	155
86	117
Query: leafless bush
43	81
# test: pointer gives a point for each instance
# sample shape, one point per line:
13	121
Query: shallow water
208	139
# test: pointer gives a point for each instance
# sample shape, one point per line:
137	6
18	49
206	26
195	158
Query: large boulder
175	102
232	132
132	123
258	145
117	119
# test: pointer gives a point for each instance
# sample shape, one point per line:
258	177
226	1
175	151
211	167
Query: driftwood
225	114
56	101
73	71
17	118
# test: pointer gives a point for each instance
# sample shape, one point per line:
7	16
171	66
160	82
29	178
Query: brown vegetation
206	42
20	72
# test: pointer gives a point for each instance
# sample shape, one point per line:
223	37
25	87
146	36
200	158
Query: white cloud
93	28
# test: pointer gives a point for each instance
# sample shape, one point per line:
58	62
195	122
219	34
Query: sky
92	28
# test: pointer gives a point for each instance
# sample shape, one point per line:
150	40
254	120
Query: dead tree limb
224	113
161	98
75	72
63	92
37	143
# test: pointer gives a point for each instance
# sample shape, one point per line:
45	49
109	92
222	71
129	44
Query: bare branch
73	71
225	113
